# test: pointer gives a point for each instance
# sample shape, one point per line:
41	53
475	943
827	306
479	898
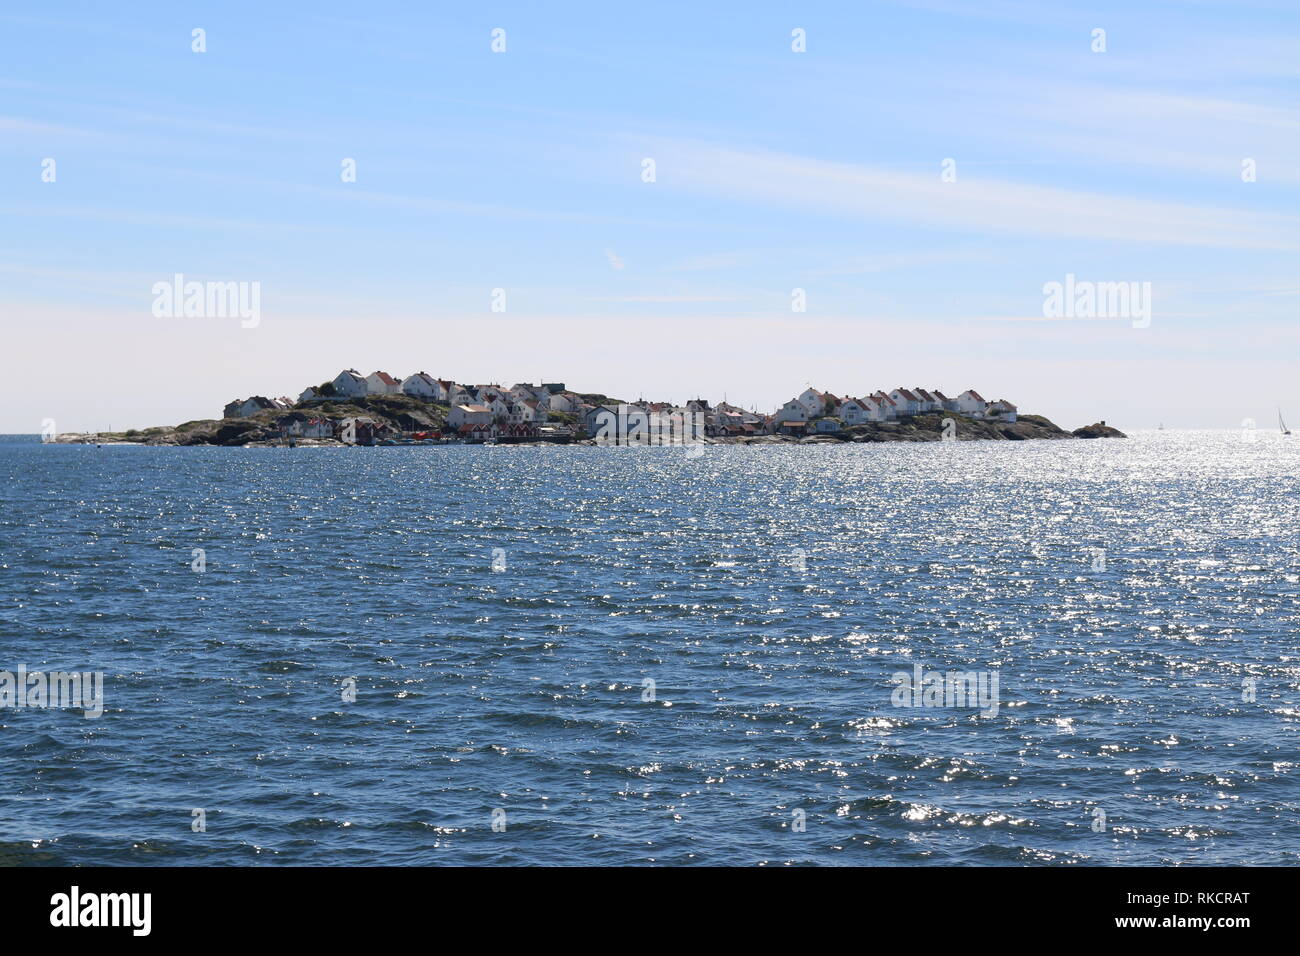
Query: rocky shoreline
407	414
930	427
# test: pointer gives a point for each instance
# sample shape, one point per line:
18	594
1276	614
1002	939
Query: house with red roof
381	383
478	431
424	386
971	404
929	402
1001	410
817	403
854	411
907	402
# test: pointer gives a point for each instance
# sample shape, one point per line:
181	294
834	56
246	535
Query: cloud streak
973	204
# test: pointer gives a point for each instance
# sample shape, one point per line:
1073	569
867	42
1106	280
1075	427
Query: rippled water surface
768	593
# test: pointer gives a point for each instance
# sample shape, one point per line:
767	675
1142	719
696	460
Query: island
381	409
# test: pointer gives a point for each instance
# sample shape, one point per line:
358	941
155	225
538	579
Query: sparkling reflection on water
679	659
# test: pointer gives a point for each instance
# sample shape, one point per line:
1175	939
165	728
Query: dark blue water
769	593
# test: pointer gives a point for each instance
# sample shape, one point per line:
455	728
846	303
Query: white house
1001	409
527	412
423	386
949	404
564	402
309	394
729	423
381	383
487	392
242	408
928	402
469	415
854	411
906	402
814	401
971	403
542	396
792	411
349	384
298	425
526	391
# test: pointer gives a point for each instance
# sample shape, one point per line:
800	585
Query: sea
1071	653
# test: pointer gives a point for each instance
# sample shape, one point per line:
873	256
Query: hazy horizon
774	170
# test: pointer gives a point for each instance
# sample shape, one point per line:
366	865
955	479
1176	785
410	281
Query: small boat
1281	424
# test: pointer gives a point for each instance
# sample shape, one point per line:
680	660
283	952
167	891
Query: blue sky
775	170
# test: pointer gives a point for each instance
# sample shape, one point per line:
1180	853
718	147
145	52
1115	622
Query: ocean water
633	656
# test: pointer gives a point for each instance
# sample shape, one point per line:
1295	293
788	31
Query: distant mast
1281	424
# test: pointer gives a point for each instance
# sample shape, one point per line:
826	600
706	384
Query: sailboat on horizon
1281	424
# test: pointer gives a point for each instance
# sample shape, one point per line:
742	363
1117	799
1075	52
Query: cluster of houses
526	411
814	411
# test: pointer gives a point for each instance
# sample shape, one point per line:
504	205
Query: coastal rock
405	413
1098	430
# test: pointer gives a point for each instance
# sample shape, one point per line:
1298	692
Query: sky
920	170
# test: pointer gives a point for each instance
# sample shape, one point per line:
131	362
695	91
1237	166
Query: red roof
387	379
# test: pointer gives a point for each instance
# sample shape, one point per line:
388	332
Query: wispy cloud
663	299
973	204
889	261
